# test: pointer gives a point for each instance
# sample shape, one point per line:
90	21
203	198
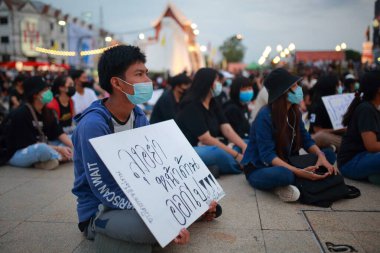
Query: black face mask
86	84
71	91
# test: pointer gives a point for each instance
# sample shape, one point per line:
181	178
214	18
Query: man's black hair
75	74
179	79
19	78
115	61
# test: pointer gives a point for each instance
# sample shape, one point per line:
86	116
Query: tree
353	55
233	49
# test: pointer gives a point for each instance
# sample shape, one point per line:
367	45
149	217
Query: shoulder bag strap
42	135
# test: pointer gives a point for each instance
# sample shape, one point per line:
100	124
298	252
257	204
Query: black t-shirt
23	131
14	93
222	98
66	116
166	108
366	118
194	120
238	115
319	117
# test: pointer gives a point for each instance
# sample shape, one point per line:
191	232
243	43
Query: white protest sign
161	174
336	106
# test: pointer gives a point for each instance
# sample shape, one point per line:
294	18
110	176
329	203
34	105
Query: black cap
33	85
278	82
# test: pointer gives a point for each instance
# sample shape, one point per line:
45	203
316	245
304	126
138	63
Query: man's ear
115	82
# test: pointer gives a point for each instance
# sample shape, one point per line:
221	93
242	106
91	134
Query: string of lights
55	52
72	53
95	51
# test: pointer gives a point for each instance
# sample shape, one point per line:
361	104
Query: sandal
216	214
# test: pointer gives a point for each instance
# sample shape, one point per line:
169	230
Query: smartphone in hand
321	170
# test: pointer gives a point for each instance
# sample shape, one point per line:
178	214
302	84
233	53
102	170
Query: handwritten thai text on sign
161	174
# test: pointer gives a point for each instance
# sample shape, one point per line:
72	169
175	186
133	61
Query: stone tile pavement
37	214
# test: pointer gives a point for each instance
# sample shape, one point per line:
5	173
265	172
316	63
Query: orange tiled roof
306	56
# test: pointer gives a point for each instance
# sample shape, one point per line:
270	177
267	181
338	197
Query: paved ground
37	214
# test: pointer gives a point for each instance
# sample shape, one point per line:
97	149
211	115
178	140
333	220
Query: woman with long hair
202	121
63	89
277	133
359	157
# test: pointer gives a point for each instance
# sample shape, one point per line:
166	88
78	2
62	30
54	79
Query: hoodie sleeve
100	180
264	136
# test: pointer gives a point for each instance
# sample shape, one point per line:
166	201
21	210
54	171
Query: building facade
25	25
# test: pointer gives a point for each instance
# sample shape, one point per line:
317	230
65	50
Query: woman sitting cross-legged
277	133
32	126
202	120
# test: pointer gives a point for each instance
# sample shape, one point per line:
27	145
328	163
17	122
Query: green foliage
353	55
232	49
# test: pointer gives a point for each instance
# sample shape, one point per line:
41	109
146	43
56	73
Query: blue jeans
212	155
39	152
268	178
362	165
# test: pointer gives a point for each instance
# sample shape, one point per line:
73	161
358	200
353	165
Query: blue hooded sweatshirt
94	184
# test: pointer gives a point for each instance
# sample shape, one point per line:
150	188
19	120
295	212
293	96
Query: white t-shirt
81	102
122	127
261	100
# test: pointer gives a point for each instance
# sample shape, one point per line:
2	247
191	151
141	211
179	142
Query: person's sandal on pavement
216	214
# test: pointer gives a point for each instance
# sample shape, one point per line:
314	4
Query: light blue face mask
47	97
142	92
246	96
296	97
357	86
340	89
218	89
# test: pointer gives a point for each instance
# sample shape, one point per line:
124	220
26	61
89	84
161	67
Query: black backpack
321	192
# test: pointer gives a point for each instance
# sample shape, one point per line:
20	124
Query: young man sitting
122	73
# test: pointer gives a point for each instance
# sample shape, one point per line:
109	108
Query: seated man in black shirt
16	92
167	105
31	126
320	124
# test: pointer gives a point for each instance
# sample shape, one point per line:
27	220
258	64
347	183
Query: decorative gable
28	7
